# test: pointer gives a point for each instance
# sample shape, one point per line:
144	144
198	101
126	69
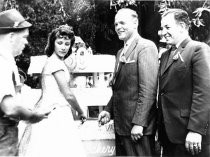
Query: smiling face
125	25
172	31
62	45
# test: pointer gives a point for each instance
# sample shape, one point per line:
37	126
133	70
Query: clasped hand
103	118
136	133
193	142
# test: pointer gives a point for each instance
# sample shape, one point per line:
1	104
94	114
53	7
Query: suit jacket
134	88
184	91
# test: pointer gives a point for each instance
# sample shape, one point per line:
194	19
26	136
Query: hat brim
22	26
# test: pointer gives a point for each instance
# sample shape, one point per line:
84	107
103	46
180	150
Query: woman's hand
82	117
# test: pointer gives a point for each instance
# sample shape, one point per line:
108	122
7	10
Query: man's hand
103	118
136	132
39	115
193	142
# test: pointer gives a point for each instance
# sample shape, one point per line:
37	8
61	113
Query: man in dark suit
133	103
184	90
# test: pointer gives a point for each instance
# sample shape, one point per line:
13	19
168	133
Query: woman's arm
66	91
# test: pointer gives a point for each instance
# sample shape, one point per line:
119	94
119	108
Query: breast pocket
180	68
180	71
131	69
129	72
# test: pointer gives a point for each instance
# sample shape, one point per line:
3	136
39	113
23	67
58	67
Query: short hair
179	15
63	30
129	11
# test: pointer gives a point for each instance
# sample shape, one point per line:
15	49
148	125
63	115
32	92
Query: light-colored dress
56	135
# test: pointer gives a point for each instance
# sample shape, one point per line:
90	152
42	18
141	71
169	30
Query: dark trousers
143	147
178	150
8	140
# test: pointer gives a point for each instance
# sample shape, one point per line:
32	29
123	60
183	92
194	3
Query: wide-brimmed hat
11	20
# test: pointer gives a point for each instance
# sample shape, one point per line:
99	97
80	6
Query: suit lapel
117	66
183	44
129	51
179	50
164	60
131	47
118	61
169	60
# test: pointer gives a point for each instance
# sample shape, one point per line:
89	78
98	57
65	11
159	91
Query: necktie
122	58
172	52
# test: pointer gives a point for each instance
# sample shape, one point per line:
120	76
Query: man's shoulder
146	42
198	43
3	61
5	67
199	46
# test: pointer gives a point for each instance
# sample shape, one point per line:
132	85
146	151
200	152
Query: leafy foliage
199	13
122	3
83	19
46	15
93	20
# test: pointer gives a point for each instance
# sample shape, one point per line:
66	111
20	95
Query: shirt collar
128	43
179	43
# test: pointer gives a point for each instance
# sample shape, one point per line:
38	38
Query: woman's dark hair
62	31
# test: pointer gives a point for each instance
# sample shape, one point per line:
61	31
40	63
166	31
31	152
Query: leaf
198	22
199	11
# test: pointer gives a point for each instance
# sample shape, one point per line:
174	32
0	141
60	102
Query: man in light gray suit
134	84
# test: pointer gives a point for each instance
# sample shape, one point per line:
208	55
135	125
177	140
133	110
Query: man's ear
182	25
11	37
136	22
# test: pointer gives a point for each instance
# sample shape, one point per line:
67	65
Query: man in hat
13	38
184	90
